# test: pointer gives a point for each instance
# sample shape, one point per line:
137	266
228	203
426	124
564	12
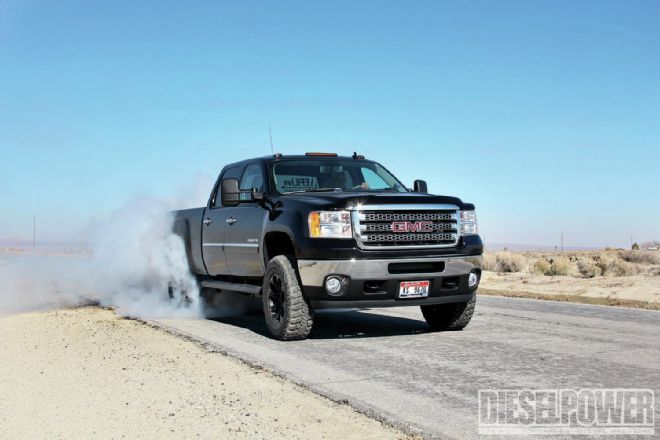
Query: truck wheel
178	294
288	316
449	316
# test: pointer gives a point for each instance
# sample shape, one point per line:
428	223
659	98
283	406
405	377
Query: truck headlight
469	223
330	224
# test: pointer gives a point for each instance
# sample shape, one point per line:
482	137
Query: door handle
231	220
207	221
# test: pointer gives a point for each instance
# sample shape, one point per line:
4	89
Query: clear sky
546	115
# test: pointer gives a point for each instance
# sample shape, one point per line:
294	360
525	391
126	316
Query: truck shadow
362	324
339	324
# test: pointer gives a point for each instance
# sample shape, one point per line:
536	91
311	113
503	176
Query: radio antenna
270	134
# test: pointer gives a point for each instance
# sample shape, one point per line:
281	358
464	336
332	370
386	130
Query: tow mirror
231	194
420	186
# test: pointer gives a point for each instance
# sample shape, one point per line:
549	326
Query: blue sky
546	115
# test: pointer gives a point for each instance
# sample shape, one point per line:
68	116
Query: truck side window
229	173
252	178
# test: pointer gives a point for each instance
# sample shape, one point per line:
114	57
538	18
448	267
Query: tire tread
299	316
449	316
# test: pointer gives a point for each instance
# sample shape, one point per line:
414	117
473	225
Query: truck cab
319	230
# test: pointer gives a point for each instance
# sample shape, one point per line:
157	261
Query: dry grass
613	266
587	268
562	266
640	257
504	262
579	264
541	267
489	262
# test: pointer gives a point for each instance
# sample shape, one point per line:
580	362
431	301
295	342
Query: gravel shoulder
631	291
86	373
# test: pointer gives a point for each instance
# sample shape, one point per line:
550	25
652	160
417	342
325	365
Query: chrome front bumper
314	272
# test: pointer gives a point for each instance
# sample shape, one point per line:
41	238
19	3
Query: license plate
414	289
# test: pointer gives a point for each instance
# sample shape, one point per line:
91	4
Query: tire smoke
134	263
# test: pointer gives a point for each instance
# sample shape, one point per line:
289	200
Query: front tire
449	316
288	315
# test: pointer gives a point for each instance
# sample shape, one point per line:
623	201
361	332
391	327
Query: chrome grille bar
386	227
373	226
405	216
397	238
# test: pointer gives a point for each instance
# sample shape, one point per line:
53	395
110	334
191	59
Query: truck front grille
410	216
388	228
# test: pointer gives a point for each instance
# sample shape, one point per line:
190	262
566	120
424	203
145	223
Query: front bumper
375	282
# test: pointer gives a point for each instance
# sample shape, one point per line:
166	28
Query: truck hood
342	200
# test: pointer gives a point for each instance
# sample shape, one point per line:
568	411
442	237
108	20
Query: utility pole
34	231
562	242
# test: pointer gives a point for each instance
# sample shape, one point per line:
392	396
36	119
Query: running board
235	287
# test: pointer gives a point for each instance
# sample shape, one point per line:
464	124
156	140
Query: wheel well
277	243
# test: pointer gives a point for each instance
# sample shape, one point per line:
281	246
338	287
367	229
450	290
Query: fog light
473	279
333	285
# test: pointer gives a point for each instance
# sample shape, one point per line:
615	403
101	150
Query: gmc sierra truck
318	231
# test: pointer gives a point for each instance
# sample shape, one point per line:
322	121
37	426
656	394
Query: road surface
385	363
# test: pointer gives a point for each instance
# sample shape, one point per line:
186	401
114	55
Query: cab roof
307	156
313	156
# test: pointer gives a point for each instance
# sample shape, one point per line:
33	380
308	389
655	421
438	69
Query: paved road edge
340	398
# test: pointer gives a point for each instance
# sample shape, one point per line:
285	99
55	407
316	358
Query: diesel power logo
412	227
567	412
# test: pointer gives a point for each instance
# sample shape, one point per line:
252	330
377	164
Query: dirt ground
631	291
86	373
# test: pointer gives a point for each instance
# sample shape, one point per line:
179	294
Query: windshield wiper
315	190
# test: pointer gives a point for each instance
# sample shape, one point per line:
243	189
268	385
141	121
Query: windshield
333	174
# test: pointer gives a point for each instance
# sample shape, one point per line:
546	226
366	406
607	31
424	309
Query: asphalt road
384	362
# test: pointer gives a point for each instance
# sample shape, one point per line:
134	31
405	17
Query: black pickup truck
318	230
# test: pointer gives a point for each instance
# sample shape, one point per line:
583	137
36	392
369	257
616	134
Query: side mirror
420	186
229	192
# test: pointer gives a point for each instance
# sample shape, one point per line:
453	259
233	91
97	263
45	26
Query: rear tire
449	316
178	295
288	316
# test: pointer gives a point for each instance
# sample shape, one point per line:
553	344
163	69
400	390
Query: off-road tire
178	295
292	318
453	316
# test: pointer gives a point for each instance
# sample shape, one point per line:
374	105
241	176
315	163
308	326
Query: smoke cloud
133	263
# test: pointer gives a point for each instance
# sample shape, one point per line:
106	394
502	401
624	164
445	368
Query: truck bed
188	225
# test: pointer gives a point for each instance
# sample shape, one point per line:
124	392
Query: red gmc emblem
412	227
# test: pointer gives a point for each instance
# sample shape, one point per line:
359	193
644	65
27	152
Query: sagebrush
581	264
504	262
641	257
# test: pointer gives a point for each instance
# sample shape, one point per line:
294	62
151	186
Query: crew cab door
214	224
244	227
